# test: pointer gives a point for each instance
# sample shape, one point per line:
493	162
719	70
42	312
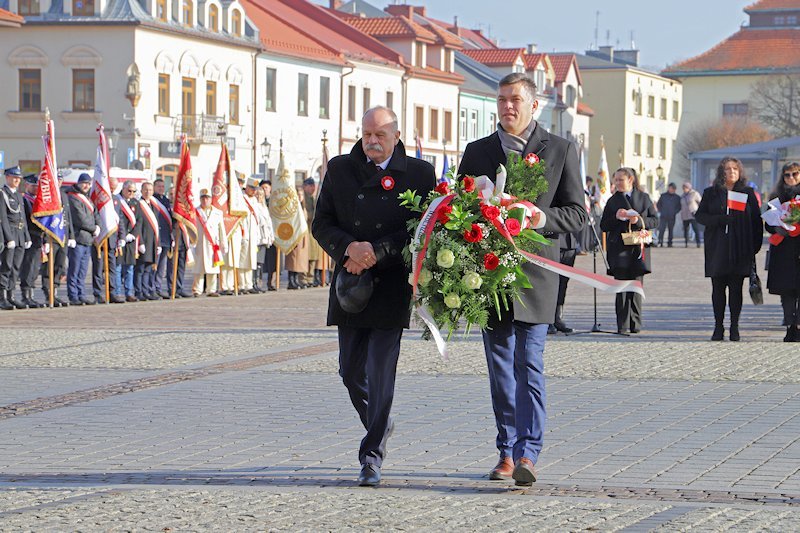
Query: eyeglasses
791	174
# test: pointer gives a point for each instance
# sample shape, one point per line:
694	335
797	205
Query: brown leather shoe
524	473
503	469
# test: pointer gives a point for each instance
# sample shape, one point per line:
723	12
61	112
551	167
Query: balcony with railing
200	128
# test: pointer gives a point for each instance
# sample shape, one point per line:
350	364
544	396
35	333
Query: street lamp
266	148
661	182
113	143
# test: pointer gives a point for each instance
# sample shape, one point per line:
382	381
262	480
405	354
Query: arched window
213	18
236	23
161	10
187	10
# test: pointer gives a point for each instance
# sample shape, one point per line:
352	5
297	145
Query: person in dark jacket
32	260
125	205
514	343
669	205
784	258
85	227
629	209
360	223
60	253
732	240
16	236
149	246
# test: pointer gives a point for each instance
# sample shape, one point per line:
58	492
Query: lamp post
113	143
660	174
266	148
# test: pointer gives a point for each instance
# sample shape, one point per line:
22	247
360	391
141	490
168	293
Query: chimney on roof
606	52
401	10
531	48
455	21
420	10
335	4
627	57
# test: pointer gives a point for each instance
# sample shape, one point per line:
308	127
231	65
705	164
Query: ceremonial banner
285	210
183	206
603	178
47	211
226	195
323	167
101	191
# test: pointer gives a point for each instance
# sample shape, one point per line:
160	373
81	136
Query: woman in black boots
784	257
733	234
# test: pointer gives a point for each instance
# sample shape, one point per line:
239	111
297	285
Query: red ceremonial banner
183	207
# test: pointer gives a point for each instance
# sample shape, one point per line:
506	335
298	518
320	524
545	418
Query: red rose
513	226
490	261
490	212
473	235
442	188
468	183
531	159
443	212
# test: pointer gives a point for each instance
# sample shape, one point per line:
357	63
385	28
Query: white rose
452	300
472	280
425	277
445	258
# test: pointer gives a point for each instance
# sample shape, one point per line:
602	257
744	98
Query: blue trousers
162	262
144	279
515	358
124	277
78	266
368	366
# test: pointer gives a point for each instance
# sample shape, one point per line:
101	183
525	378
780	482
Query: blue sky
665	31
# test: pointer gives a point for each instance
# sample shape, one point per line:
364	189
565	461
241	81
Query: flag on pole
47	211
101	191
226	195
603	177
737	200
445	169
418	142
323	170
287	214
183	207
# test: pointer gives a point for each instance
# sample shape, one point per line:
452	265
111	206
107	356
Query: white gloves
28	244
158	250
46	248
223	248
129	237
71	243
142	248
11	245
96	231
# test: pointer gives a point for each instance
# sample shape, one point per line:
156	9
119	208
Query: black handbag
756	294
353	291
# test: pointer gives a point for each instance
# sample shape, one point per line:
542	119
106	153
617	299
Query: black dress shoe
117	299
718	334
75	302
370	475
87	301
733	334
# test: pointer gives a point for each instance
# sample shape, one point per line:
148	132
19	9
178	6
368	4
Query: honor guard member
251	238
211	246
126	206
163	210
32	260
17	238
85	226
144	273
59	252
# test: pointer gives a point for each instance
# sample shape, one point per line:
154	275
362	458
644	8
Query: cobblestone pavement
227	414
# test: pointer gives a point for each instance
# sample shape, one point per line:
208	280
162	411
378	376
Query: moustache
373	147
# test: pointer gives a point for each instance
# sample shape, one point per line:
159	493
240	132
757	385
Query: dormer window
419	57
236	23
187	11
161	10
28	8
213	18
83	8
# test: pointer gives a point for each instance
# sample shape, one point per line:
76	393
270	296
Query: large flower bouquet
784	215
465	257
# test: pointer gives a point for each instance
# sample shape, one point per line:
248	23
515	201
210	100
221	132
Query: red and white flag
226	194
183	206
737	200
101	191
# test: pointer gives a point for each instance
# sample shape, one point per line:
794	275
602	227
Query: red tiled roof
474	37
748	50
495	57
430	73
532	60
444	37
584	109
13	18
319	26
390	27
768	5
562	64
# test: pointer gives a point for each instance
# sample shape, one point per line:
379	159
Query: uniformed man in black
32	259
360	223
17	238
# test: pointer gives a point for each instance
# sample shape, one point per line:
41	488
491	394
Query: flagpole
105	261
50	271
235	269
277	267
175	253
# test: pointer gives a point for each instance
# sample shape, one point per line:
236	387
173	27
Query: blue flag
445	170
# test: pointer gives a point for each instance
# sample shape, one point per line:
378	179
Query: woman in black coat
628	262
784	258
732	240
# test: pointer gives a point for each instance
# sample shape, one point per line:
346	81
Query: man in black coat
147	231
32	260
60	253
669	205
85	227
517	339
360	223
17	238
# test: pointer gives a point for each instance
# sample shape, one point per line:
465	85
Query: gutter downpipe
341	107
407	76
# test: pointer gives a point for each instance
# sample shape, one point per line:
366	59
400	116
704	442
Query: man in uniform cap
211	246
32	259
251	238
85	226
15	235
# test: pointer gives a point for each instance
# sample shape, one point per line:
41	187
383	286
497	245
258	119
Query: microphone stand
596	325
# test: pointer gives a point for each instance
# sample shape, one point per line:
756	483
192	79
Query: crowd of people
147	254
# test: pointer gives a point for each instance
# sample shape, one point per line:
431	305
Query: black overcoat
83	219
732	252
353	205
562	204
126	228
783	275
146	234
618	253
